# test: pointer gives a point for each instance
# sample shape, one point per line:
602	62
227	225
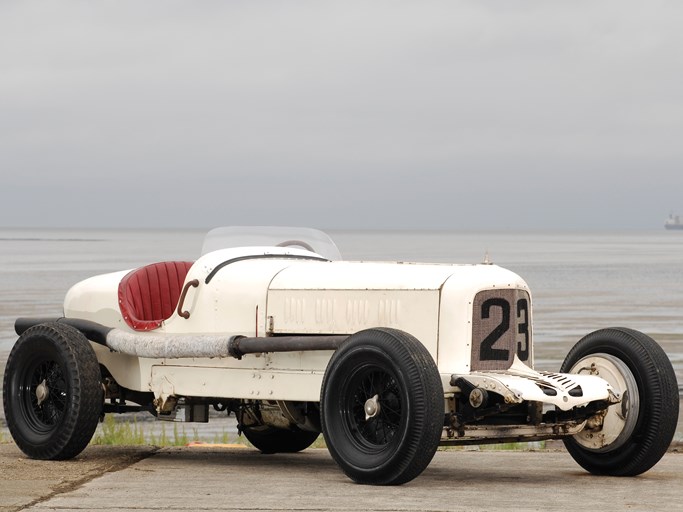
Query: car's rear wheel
269	439
382	407
635	433
52	392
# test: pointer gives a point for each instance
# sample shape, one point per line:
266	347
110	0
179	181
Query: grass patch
133	433
319	443
526	446
225	438
120	433
179	437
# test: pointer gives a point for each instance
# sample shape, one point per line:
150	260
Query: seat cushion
149	295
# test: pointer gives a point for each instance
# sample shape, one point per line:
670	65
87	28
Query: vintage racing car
387	360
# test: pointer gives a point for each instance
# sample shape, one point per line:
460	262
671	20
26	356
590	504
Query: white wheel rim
620	419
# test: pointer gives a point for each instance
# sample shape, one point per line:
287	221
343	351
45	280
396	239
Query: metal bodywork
458	312
386	359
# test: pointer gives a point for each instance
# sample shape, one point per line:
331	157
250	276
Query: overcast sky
475	115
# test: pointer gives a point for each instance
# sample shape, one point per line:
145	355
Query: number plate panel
501	328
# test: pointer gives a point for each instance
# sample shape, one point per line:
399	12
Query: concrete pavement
24	481
170	479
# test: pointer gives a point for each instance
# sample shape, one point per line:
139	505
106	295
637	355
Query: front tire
382	409
52	392
636	432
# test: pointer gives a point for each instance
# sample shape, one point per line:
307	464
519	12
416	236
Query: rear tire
269	439
637	432
52	392
382	407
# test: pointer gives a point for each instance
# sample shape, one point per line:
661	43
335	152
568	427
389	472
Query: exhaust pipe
241	345
176	346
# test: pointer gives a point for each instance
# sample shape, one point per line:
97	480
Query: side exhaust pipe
176	346
241	345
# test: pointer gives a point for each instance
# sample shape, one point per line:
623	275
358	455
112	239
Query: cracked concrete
25	482
213	478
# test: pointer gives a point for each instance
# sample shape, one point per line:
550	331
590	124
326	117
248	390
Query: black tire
647	417
268	439
394	375
52	392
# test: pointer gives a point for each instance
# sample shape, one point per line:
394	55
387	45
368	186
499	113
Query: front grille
501	328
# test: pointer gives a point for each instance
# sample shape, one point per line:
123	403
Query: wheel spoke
381	427
369	385
386	436
53	391
46	395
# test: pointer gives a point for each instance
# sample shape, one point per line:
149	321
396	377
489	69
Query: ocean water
579	281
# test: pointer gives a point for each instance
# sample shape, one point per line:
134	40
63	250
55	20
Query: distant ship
673	222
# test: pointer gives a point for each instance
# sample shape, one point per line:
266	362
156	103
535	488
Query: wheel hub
611	430
372	407
42	392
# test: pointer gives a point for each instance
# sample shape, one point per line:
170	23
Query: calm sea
579	281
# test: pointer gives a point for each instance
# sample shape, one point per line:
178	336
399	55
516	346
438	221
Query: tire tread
84	406
659	404
426	421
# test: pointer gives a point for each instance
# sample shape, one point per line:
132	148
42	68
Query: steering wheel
295	243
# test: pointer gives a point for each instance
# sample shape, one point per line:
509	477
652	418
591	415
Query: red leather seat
149	295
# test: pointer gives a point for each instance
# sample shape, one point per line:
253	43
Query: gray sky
475	115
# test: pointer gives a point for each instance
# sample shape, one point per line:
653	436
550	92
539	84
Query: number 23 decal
487	349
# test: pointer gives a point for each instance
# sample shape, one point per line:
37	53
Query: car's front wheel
635	433
52	392
382	407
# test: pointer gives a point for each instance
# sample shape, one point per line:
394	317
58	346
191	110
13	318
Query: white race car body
274	291
296	342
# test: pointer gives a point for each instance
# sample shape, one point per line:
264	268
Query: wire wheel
44	391
52	392
382	407
372	406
